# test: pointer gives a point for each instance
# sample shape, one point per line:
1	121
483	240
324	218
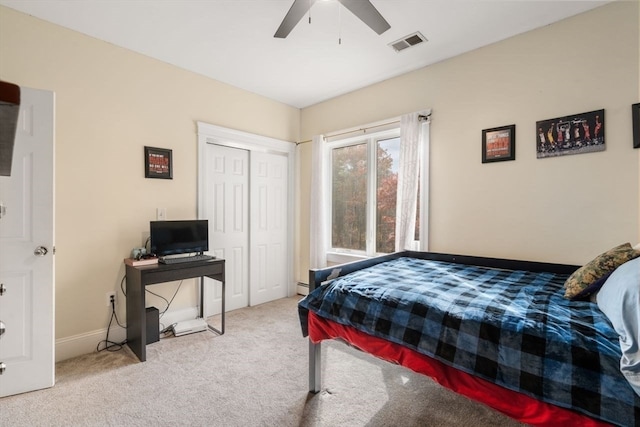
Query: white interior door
225	202
245	190
26	251
268	227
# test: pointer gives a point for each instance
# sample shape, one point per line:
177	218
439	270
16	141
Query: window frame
341	255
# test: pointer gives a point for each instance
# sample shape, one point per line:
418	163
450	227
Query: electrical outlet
111	295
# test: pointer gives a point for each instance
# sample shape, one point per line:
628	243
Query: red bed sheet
513	404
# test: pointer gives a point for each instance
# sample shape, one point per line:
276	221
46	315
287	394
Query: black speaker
153	325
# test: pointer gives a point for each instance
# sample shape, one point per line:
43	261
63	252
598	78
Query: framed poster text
158	163
499	144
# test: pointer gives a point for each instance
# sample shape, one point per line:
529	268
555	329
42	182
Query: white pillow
619	300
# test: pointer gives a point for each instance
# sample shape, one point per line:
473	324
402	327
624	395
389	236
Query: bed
498	331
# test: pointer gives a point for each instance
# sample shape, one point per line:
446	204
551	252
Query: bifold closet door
246	201
268	227
226	206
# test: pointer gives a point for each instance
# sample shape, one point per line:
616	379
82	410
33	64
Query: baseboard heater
189	327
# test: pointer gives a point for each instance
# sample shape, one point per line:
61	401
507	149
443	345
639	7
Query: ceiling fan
363	9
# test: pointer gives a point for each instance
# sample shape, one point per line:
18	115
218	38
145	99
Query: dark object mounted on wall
499	144
574	134
635	119
9	109
158	163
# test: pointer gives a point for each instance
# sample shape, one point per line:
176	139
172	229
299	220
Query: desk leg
136	315
221	330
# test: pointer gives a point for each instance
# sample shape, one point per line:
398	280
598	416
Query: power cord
114	346
122	285
168	331
111	345
168	302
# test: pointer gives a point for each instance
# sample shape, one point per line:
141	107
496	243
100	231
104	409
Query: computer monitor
179	237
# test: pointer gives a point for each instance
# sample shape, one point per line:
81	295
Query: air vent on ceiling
408	41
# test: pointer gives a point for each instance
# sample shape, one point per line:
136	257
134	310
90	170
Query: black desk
139	277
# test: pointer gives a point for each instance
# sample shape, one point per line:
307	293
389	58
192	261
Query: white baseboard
77	345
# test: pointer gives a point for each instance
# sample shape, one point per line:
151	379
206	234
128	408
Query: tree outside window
386	193
349	194
353	187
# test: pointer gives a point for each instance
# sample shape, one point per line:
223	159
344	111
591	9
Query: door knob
3	328
40	251
3	289
3	367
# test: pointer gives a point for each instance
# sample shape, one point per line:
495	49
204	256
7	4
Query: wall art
158	163
574	134
499	144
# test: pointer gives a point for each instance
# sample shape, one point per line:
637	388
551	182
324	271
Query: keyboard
180	260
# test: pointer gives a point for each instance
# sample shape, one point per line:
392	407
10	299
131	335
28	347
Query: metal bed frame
318	276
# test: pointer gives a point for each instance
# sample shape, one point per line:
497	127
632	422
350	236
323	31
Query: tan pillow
598	267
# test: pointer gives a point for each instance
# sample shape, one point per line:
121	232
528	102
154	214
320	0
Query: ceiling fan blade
295	14
368	14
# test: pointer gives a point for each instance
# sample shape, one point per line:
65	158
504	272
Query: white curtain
408	175
425	144
318	223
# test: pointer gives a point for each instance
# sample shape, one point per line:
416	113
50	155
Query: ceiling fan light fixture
408	41
363	9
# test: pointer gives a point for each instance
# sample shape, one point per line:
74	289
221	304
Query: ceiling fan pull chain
339	24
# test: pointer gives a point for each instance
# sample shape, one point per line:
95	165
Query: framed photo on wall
574	134
499	144
635	120
158	163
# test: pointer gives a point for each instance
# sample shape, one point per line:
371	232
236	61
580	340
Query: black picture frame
158	163
574	134
635	120
499	144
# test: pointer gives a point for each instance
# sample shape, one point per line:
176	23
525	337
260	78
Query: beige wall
565	209
111	102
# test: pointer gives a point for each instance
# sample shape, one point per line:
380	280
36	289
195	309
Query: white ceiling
232	40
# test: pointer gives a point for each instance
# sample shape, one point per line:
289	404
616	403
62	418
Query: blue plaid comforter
513	328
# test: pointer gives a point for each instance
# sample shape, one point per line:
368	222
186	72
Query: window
364	177
387	158
364	201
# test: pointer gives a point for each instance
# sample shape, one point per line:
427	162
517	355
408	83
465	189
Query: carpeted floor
254	375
